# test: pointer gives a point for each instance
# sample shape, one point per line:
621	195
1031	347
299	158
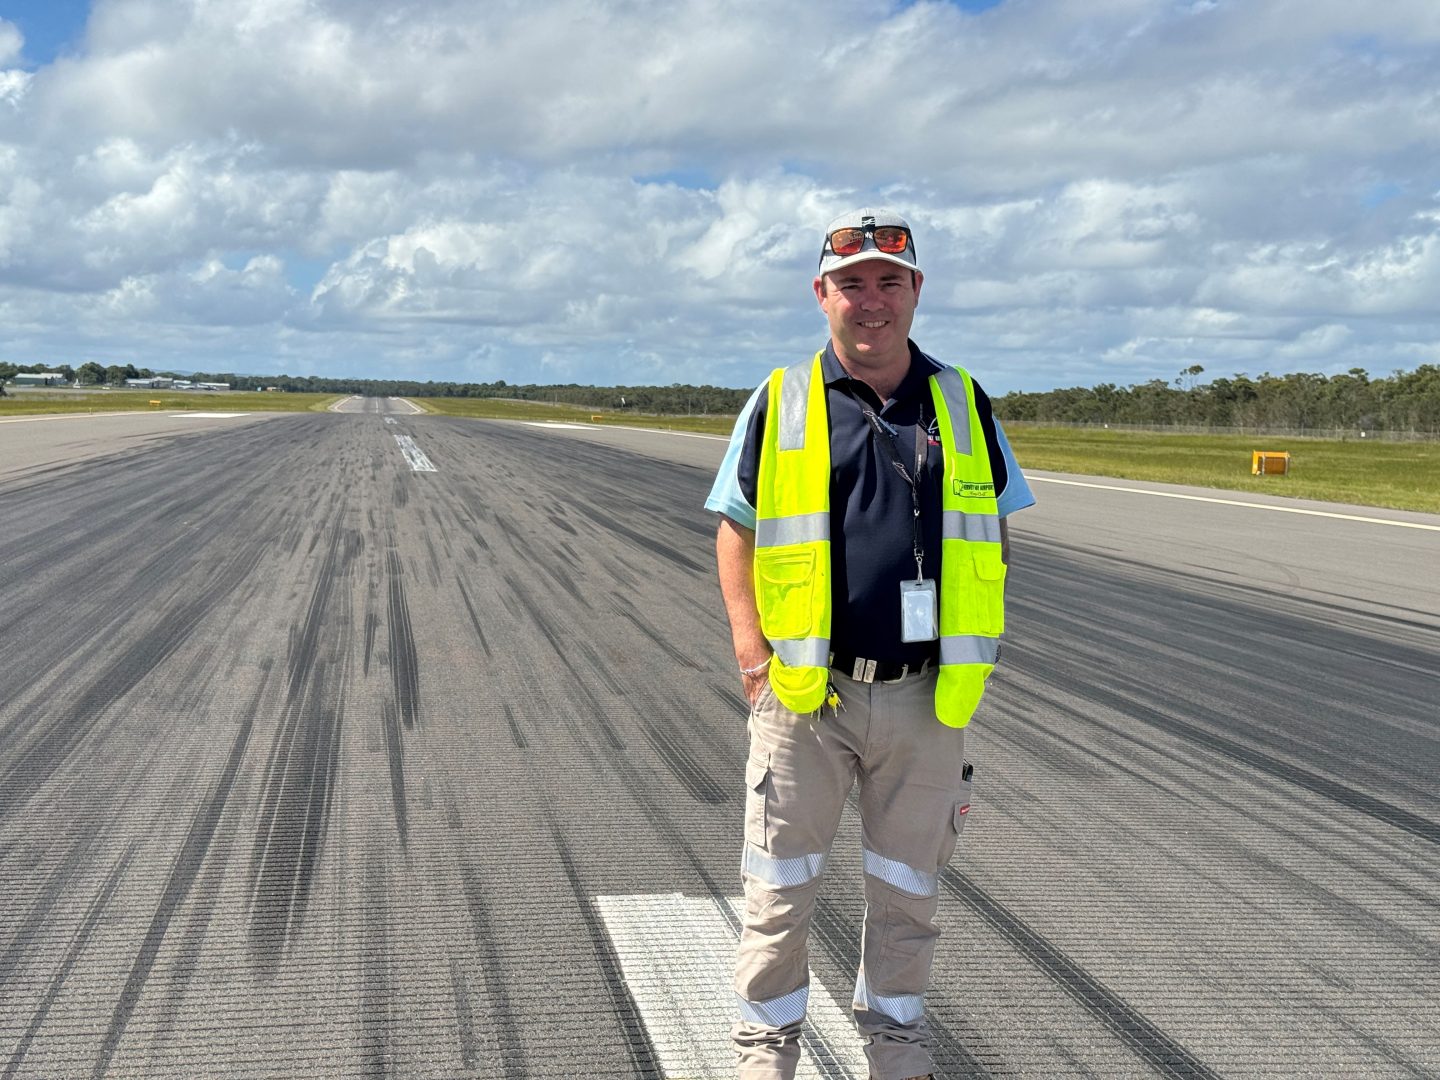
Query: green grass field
41	402
1402	476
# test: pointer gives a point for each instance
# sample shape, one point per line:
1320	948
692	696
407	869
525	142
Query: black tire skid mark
643	1060
67	962
474	618
303	768
182	877
1138	1033
395	759
505	1047
626	610
1174	787
46	754
703	787
376	984
516	735
404	661
23	932
1343	794
529	606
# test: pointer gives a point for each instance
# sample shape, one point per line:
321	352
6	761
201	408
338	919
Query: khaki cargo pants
913	802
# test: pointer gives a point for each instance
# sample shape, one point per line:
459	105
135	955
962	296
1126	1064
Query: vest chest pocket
785	583
990	573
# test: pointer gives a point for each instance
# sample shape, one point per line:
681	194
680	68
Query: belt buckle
864	670
904	671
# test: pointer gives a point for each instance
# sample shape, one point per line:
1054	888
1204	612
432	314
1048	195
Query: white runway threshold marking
414	455
1237	502
677	954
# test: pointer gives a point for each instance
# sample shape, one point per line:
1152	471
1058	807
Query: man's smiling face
870	306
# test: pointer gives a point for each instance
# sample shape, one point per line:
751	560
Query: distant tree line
673	399
1408	401
87	374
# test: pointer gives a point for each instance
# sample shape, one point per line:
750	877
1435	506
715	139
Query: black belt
862	670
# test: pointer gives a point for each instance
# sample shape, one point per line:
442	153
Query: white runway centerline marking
1237	502
677	954
414	455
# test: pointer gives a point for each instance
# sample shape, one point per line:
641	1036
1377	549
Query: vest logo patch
969	489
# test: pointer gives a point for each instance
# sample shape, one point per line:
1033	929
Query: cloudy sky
626	191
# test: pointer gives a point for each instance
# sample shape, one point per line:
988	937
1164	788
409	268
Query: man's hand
735	557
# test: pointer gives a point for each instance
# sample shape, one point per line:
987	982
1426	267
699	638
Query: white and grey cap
866	218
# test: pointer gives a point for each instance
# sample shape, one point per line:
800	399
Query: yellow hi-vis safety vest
792	543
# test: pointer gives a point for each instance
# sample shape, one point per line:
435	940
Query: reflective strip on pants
782	873
906	878
777	1012
906	1008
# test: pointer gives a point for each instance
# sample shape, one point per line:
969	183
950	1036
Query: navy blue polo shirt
871	508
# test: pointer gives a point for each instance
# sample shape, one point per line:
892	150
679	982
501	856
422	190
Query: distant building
40	378
157	382
212	386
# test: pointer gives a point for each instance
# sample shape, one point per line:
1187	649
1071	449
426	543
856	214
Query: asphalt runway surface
355	744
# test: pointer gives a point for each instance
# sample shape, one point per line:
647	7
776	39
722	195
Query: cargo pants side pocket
757	794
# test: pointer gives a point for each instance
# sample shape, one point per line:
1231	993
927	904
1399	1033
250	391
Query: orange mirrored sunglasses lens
888	238
847	241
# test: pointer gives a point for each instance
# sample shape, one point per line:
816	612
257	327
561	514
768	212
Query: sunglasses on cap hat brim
889	239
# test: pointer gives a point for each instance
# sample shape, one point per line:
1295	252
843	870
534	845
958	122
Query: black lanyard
886	434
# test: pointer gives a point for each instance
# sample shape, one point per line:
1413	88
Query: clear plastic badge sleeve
918	611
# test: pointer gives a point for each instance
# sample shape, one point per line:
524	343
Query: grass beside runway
1400	476
46	402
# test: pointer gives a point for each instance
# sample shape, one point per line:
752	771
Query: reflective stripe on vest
792	543
792	536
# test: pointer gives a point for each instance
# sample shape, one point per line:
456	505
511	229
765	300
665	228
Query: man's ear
919	280
820	289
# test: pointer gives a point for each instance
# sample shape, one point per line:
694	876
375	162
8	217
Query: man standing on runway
862	552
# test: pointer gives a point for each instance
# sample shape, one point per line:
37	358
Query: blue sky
602	192
49	26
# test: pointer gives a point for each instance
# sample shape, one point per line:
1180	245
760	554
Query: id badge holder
918	618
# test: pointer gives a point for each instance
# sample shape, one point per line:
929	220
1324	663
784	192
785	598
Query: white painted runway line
414	455
558	424
410	404
1236	502
206	415
677	954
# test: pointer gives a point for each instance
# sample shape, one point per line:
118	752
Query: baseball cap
866	218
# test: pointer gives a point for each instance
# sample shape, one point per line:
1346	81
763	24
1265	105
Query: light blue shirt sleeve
725	494
1017	494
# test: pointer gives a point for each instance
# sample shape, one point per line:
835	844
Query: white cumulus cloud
605	190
